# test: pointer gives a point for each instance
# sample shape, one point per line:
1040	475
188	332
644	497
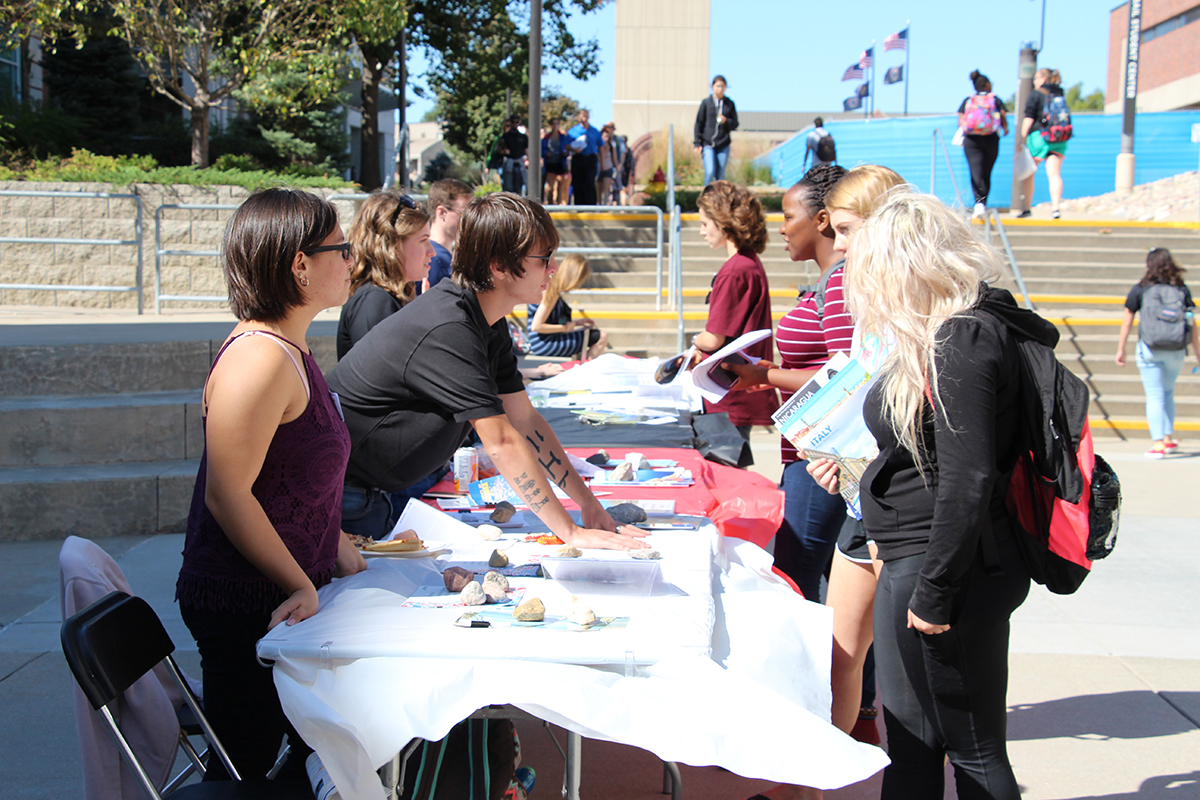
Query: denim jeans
366	512
714	163
1159	369
812	520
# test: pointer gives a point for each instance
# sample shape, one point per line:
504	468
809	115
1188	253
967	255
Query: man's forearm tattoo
550	461
527	486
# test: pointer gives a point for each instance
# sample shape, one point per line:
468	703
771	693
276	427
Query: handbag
1023	164
957	139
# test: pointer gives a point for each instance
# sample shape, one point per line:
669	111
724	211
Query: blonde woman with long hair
552	331
945	413
392	251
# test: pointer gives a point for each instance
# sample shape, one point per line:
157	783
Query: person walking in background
554	159
731	219
392	251
585	144
447	199
715	120
515	143
607	165
1166	327
981	116
1046	128
552	332
814	145
627	168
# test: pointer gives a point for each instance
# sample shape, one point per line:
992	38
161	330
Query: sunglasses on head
403	201
346	249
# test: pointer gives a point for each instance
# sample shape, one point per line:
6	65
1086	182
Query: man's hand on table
601	531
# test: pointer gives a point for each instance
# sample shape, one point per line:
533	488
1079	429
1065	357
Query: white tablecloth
725	665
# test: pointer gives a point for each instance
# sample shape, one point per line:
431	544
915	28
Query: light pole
1126	160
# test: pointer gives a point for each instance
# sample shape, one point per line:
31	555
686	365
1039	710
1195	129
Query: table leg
672	780
574	767
389	775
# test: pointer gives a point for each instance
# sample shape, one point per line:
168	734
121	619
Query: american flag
865	60
853	73
897	41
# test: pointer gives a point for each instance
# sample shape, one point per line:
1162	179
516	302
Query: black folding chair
111	644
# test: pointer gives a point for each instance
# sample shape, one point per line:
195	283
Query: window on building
1168	25
10	74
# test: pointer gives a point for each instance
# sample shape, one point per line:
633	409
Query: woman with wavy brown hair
731	218
392	251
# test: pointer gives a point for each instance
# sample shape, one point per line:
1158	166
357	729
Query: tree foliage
479	50
1078	101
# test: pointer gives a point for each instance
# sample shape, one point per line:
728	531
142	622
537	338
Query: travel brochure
824	419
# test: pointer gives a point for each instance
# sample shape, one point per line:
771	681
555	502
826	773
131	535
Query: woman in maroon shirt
731	219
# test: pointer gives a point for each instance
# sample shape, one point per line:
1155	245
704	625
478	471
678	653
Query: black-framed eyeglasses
346	249
546	259
403	201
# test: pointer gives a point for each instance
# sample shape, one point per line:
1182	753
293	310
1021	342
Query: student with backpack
1164	330
820	145
1046	129
946	411
981	116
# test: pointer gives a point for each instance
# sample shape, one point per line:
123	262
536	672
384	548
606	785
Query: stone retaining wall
115	265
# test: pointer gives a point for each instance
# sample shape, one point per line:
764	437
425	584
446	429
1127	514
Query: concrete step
100	429
95	501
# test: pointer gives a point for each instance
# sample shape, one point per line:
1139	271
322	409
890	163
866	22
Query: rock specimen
489	532
495	586
456	578
623	472
637	461
580	613
504	512
627	513
567	551
473	594
646	554
599	458
498	559
530	611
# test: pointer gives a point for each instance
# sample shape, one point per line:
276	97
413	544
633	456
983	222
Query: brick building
1168	59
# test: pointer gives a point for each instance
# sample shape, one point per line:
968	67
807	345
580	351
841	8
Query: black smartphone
723	377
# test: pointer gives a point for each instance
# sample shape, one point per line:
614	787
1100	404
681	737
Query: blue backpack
1056	119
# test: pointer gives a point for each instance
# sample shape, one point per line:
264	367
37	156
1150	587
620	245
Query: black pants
945	694
239	695
583	179
981	152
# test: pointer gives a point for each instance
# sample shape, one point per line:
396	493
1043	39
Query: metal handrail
656	250
52	287
160	251
1012	259
937	137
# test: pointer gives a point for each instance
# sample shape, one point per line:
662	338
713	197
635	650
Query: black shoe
1024	214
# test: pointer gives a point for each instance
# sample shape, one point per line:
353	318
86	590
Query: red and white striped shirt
804	343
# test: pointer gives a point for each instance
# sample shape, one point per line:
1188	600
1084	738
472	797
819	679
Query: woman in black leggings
944	410
982	116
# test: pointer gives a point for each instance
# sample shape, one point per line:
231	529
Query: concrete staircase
100	431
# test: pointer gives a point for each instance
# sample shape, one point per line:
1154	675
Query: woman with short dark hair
263	531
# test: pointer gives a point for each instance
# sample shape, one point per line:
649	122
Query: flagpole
907	71
873	59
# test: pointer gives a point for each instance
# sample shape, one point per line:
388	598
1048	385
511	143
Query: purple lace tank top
299	488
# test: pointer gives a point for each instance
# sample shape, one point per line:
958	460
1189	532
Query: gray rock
504	512
646	554
473	594
498	559
627	513
495	586
623	472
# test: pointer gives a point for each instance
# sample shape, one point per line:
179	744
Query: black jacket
707	132
967	459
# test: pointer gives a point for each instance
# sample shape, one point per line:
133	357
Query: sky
778	56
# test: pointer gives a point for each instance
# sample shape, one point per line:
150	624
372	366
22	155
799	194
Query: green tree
218	45
1078	101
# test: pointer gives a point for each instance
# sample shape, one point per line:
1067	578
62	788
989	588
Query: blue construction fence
1162	144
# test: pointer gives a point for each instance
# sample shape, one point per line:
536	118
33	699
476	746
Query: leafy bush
84	166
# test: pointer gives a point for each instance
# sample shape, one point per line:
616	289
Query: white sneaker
980	211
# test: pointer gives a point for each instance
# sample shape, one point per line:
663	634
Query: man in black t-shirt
413	385
515	142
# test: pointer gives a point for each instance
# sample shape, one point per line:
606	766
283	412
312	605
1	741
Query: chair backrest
112	643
